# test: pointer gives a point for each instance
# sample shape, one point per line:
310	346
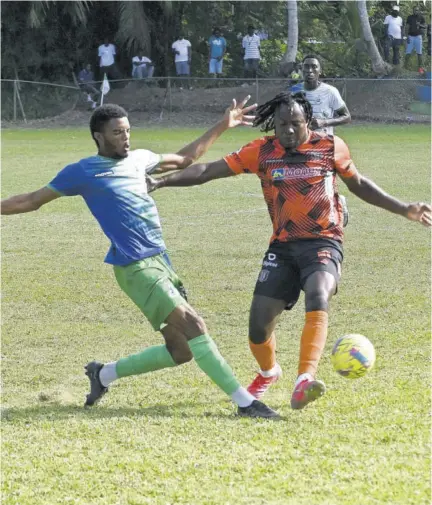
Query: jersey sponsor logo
278	174
103	174
263	276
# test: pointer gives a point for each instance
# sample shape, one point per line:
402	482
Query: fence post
169	96
14	100
257	89
20	102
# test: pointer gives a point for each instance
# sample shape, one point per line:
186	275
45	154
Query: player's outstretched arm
235	115
192	176
28	202
368	191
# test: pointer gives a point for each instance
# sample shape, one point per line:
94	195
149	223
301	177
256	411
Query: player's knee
317	299
258	333
181	355
189	322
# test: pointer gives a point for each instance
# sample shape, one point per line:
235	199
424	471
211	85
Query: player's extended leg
207	356
319	288
263	317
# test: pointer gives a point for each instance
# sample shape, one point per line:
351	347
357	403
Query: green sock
211	362
151	359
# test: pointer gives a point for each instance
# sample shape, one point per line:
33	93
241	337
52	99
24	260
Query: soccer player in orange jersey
297	169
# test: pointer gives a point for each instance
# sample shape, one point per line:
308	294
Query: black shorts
287	265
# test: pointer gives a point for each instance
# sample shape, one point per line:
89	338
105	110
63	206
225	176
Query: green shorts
152	285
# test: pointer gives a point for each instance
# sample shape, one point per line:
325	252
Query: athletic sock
312	341
265	353
108	373
242	397
302	377
211	362
153	358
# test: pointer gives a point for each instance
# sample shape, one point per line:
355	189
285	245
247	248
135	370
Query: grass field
171	437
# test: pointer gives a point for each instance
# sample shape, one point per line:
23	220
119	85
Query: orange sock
265	353
312	341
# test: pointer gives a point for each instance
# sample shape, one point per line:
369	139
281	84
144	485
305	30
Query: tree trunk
379	66
290	55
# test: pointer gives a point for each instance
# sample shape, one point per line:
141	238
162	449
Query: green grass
171	437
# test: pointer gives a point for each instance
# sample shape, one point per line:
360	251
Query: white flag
104	88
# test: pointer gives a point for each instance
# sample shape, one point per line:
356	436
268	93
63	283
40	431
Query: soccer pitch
172	437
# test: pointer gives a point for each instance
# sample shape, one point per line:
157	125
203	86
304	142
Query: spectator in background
107	53
87	84
217	49
251	52
429	39
296	74
142	67
415	26
393	24
182	50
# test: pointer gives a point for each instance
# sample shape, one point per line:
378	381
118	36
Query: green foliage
46	40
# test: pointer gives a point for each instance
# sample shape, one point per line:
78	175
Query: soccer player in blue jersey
113	185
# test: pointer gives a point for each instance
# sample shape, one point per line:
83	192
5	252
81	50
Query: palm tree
379	66
290	55
39	10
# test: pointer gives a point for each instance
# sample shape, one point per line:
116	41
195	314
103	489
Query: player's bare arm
342	116
193	175
368	191
28	202
235	115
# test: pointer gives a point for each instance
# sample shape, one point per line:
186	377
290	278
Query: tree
290	55
379	66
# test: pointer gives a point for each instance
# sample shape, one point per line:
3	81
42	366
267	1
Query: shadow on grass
47	412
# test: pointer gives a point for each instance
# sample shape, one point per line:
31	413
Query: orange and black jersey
299	187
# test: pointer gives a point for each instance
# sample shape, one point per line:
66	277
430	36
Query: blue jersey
217	46
115	191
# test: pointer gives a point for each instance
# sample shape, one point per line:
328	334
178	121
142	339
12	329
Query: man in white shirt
393	24
182	50
142	67
106	53
251	52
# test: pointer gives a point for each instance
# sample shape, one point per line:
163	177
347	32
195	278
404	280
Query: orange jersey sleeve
342	157
246	159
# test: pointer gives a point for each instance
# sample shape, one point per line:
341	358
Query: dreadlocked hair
265	113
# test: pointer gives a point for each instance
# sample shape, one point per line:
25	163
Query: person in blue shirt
113	185
87	84
217	48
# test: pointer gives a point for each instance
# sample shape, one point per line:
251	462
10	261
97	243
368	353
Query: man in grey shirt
328	107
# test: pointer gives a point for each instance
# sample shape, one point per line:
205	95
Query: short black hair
102	115
312	57
265	113
216	29
251	26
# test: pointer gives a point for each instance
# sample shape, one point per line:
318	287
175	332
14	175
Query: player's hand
421	212
152	184
316	123
237	114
